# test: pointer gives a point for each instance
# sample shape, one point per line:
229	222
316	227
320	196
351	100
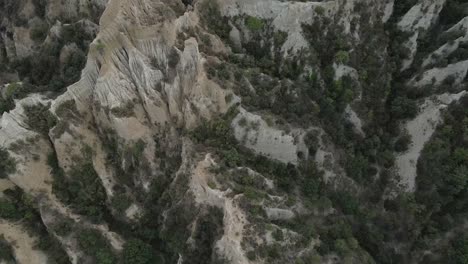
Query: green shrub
40	7
121	202
346	202
8	210
279	38
254	24
85	191
6	251
137	252
403	142
341	247
253	194
7	164
403	107
39	118
94	244
216	132
459	252
312	142
278	235
63	227
100	46
39	31
320	10
357	168
67	110
6	105
231	157
73	65
342	57
386	158
212	18
11	89
124	111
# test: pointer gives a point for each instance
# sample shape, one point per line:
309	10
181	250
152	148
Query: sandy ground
421	129
437	76
22	243
5	184
257	135
33	176
324	157
354	119
230	243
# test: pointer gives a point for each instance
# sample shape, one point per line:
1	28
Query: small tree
254	24
342	57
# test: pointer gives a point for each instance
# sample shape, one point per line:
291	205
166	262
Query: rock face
218	131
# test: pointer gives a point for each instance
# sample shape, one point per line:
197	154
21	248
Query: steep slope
233	131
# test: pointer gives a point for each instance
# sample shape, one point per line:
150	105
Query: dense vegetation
95	245
315	97
443	183
359	218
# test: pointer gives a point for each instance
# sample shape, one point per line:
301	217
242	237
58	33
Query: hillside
233	131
